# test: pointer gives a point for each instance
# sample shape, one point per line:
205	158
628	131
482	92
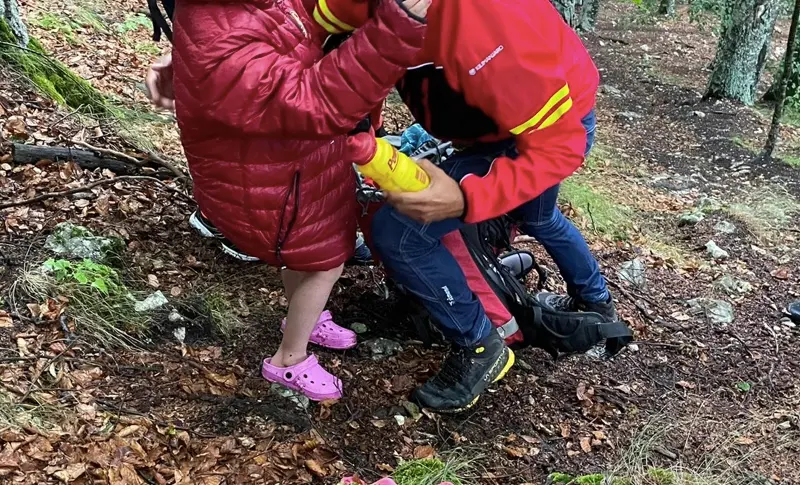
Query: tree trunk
742	49
9	11
791	44
667	7
579	14
589	12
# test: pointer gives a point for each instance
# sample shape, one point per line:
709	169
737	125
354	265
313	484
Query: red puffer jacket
264	119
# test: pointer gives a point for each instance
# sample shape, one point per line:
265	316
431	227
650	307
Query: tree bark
9	11
791	44
742	49
589	13
667	7
579	14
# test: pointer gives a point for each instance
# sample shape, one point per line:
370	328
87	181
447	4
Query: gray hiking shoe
565	303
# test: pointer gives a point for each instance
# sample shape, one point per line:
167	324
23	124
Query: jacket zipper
294	193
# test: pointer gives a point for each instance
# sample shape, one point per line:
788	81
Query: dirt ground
202	411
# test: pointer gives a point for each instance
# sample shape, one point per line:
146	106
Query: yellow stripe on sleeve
324	23
557	114
323	5
551	103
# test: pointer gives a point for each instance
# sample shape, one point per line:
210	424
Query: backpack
529	323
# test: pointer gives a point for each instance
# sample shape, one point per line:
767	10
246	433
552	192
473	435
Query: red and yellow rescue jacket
493	70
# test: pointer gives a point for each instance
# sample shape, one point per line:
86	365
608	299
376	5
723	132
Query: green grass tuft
604	216
431	471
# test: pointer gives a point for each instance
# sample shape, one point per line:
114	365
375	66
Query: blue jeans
415	257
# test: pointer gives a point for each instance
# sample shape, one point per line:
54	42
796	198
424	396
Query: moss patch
52	77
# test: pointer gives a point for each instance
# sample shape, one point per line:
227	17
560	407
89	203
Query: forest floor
188	406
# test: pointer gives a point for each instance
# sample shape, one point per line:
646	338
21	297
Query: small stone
715	251
381	348
690	218
628	116
716	311
412	409
524	365
359	328
699	114
179	334
708	204
610	90
401	420
645	47
300	401
788	323
634	272
154	301
733	286
725	227
175	316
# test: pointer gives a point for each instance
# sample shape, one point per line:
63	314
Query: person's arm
513	72
261	90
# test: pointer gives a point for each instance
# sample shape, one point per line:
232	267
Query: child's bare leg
291	280
308	300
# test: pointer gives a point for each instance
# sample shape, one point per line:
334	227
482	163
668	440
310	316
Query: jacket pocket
291	206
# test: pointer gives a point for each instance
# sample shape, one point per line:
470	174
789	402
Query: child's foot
307	377
329	335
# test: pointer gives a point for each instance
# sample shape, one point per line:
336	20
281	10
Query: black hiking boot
465	374
207	229
564	303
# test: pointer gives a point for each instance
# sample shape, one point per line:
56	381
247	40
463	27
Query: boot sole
201	228
507	367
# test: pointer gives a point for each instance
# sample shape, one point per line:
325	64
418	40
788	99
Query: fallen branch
112	153
85	188
23	154
159	160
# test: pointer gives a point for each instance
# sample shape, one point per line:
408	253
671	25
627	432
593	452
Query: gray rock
634	272
359	328
715	251
380	348
690	218
708	204
716	311
412	409
175	316
699	114
673	183
725	227
733	286
628	116
71	241
300	401
153	301
400	419
610	90
788	323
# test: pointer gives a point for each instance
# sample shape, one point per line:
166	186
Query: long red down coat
264	119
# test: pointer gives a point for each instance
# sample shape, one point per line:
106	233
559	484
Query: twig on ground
110	152
739	339
84	188
161	161
631	297
613	39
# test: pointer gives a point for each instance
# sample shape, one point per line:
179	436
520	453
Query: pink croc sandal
329	335
307	377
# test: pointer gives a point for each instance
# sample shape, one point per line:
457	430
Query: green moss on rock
52	77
